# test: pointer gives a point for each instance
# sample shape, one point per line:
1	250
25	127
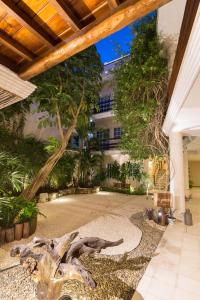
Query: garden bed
18	231
45	197
121	190
117	277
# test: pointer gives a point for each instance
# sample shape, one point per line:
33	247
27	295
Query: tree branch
59	121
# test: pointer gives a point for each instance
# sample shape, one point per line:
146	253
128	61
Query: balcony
105	104
105	144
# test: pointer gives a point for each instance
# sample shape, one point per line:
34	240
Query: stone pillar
177	182
186	173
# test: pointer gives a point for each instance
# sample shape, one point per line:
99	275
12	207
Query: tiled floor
174	272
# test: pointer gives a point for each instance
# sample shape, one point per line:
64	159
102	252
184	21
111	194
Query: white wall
31	127
169	22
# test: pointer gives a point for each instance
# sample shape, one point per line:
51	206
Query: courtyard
99	150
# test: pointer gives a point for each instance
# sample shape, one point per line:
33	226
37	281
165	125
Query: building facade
107	130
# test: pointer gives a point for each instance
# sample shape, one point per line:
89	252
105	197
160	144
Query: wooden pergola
38	34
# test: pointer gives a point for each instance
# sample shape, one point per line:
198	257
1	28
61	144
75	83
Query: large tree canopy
140	94
63	88
66	95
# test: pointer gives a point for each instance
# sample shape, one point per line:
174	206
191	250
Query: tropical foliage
66	95
89	167
126	170
21	159
140	95
13	117
16	210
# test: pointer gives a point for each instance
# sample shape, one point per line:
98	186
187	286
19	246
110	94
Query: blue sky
107	47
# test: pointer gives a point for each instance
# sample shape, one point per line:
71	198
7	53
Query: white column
186	173
177	182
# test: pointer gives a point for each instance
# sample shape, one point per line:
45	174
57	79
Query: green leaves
52	145
124	171
140	94
12	172
65	85
16	210
90	164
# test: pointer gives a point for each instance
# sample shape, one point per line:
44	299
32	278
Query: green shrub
28	211
126	170
16	210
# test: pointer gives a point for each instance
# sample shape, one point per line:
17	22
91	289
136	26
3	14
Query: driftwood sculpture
57	260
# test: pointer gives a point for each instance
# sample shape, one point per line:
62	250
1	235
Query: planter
26	230
10	235
90	190
52	196
19	231
65	192
2	235
33	225
43	197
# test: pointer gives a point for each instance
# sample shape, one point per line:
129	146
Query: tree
89	165
140	94
66	95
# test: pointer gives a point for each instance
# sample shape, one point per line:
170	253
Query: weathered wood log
89	245
57	261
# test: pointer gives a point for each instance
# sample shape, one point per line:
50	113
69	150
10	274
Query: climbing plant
140	93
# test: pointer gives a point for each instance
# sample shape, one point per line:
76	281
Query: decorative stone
53	196
68	191
44	197
87	190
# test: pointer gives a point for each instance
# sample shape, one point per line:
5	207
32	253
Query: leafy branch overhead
61	90
140	94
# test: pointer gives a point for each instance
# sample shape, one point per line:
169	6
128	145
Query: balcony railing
107	144
104	106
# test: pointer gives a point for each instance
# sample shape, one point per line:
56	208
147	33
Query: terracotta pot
18	231
33	225
26	230
10	235
2	235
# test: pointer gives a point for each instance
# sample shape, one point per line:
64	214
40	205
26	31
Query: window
103	138
117	133
105	103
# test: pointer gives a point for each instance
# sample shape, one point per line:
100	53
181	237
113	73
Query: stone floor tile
180	294
160	289
193	273
144	284
188	284
166	276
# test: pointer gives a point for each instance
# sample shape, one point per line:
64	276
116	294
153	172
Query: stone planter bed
116	276
45	197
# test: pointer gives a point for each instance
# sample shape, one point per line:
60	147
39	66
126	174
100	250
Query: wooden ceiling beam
113	3
7	62
67	14
27	22
16	46
123	15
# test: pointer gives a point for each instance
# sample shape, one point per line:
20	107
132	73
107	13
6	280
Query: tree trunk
30	192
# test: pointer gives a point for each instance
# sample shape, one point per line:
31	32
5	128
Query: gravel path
116	278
